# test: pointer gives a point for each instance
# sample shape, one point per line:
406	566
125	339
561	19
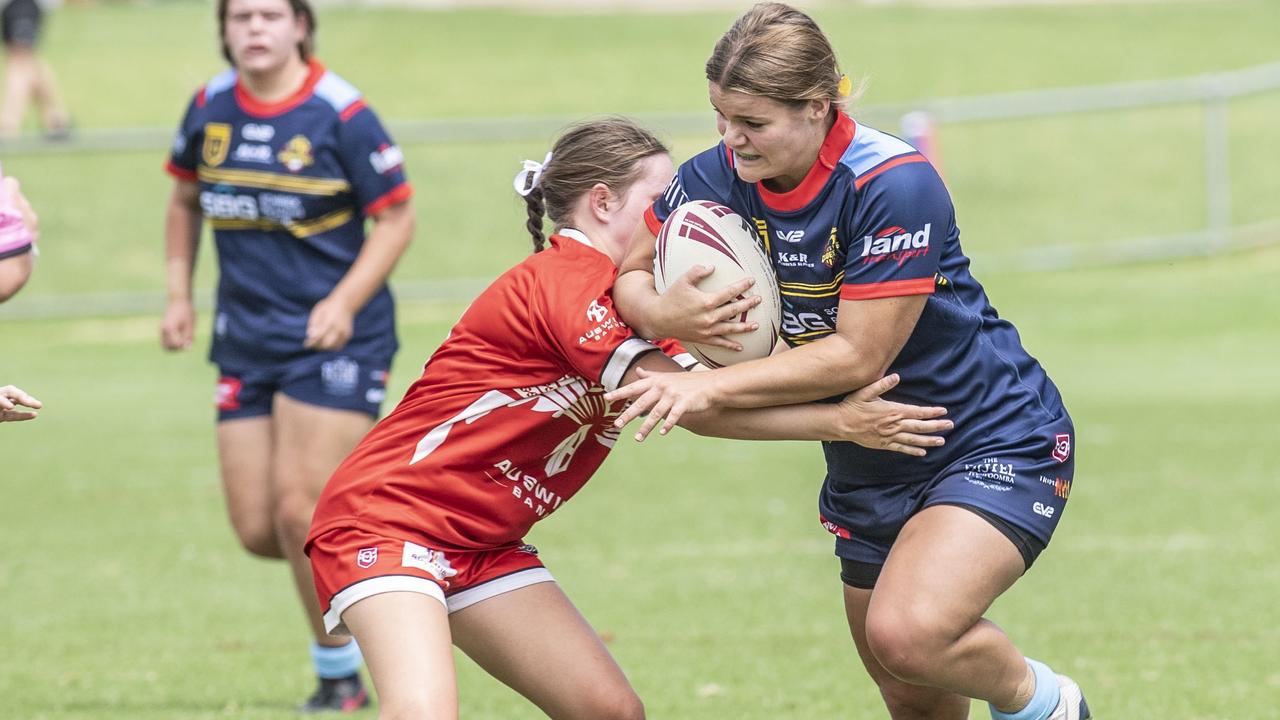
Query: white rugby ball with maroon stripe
707	233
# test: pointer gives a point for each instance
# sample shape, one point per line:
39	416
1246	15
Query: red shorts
350	565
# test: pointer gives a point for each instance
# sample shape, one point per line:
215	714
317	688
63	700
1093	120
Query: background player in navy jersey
17	255
862	234
287	162
418	541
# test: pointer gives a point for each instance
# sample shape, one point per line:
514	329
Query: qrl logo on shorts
227	394
366	557
1062	448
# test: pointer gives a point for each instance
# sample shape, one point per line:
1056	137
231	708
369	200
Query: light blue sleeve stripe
870	147
221	82
337	92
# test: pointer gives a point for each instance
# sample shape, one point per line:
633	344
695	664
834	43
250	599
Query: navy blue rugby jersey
873	219
287	187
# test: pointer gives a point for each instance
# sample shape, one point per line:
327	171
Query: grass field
700	560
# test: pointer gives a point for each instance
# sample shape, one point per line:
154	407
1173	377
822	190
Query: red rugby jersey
508	420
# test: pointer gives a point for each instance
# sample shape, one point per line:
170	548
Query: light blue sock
1043	701
332	663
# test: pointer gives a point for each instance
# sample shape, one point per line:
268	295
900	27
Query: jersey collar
581	237
258	108
833	148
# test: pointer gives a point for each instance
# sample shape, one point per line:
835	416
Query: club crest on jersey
366	557
217	143
296	154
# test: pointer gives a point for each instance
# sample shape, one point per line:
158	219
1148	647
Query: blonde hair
776	51
608	150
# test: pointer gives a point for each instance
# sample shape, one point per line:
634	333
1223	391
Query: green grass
702	559
128	597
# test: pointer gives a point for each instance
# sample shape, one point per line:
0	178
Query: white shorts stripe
498	586
375	586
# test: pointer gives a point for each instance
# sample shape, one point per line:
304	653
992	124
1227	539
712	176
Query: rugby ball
707	233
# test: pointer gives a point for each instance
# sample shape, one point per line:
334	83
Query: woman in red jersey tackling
417	541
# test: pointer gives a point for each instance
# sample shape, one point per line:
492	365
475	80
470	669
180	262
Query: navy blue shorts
1020	487
20	22
326	379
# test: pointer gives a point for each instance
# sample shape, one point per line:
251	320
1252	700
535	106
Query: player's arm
869	335
182	222
862	417
331	322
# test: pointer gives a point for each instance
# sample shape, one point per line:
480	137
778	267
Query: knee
617	706
257	536
293	517
907	643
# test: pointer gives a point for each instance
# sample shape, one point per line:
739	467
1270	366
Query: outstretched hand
11	398
664	396
879	424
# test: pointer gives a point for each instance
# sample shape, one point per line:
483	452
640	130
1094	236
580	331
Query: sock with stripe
1043	701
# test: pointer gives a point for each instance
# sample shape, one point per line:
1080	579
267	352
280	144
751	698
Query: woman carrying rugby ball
417	542
862	235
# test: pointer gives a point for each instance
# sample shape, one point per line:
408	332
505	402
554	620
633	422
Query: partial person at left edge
287	162
18	231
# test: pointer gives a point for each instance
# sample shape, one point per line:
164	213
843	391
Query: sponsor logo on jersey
791	236
386	159
366	557
280	206
433	561
228	206
1062	488
596	312
1043	510
257	132
340	376
605	322
529	490
296	154
794	259
896	244
1062	447
252	152
832	250
800	323
527	549
217	143
226	396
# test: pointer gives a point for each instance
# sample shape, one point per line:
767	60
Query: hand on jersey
11	398
879	424
177	328
665	397
690	315
330	325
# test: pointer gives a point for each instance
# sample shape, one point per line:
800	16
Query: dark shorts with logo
1020	487
20	22
326	379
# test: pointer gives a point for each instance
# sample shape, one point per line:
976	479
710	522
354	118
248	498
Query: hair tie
845	86
527	179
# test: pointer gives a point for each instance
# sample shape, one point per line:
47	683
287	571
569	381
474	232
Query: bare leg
244	454
904	700
53	111
924	621
20	77
405	640
311	442
535	640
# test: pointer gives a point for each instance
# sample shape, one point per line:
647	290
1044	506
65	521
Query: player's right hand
178	326
11	398
691	315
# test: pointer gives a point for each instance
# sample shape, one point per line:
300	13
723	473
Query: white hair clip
528	177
